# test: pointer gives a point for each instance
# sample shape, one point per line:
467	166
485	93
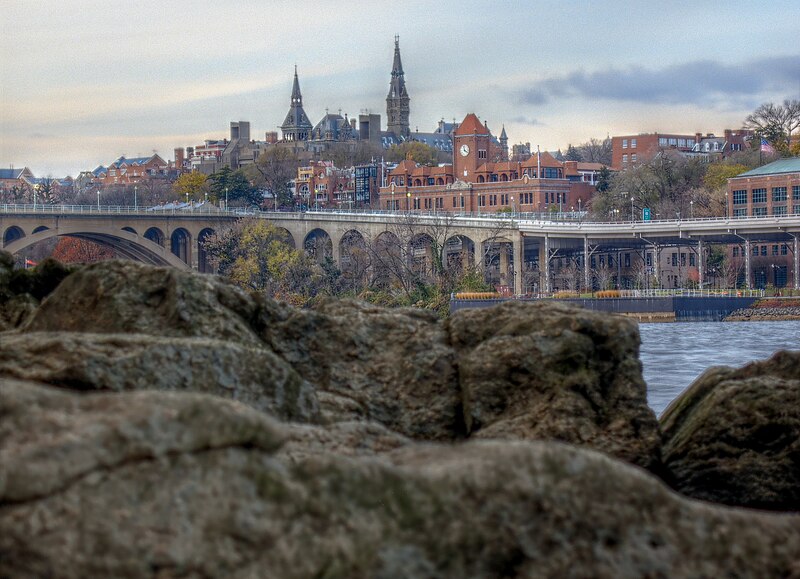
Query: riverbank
767	310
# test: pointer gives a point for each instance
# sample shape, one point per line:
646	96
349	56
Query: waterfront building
772	189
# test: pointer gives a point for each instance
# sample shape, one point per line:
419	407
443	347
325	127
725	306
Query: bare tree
596	151
776	123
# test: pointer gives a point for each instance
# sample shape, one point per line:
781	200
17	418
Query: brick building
773	189
481	181
631	150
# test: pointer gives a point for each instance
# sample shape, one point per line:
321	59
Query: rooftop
791	165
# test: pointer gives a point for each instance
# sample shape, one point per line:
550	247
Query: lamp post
392	187
98	198
135	197
226	198
461	201
632	217
691	209
512	207
35	191
408	201
187	197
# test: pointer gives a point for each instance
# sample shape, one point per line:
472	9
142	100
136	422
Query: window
627	260
755	250
673	142
431	181
784	249
796	192
736	147
481	200
759	195
633	143
624	143
633	158
649	260
624	158
683	259
779	194
742	212
774	250
481	153
735	252
674	259
759	211
681	142
691	259
662	142
416	202
740	197
779	210
764	250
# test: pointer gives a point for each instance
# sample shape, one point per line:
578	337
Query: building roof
438	141
471	126
10	173
791	165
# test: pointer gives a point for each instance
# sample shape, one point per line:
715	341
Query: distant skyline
84	82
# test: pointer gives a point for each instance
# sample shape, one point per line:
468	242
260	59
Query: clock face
464	150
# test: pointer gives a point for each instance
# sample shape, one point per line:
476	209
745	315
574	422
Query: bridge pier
519	256
700	262
748	283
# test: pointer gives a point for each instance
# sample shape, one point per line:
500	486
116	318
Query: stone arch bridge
506	243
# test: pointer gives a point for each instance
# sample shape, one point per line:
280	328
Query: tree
596	151
775	123
230	185
603	179
75	250
192	185
573	154
414	150
274	170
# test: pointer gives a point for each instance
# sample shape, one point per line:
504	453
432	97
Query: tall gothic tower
296	126
397	102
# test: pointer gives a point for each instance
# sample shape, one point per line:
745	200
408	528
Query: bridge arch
180	244
129	230
203	263
155	235
318	245
388	260
353	258
459	252
11	234
124	243
40	228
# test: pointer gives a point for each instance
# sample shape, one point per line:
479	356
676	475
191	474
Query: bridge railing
169	208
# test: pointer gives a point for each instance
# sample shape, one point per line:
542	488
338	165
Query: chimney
698	137
180	156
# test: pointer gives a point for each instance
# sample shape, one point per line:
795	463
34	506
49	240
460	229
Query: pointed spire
503	133
297	98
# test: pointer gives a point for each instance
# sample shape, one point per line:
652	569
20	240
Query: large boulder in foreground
553	371
119	297
21	290
154	484
733	436
250	374
392	366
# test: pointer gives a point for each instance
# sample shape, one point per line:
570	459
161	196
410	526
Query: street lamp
226	198
691	209
408	201
35	191
135	197
98	198
392	187
461	201
512	207
187	197
632	219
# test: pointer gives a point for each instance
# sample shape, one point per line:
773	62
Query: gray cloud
527	121
699	82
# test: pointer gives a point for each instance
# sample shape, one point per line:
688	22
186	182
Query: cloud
700	82
522	120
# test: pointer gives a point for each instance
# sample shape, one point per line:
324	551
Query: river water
674	354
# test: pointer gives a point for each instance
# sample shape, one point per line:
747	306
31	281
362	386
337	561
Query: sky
83	82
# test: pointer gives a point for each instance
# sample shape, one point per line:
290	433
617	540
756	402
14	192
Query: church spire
296	126
297	98
397	101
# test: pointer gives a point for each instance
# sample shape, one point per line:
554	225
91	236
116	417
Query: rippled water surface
673	355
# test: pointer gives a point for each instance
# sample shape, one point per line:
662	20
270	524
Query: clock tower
398	101
472	142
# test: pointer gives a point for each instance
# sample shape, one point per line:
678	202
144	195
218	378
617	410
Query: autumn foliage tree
75	250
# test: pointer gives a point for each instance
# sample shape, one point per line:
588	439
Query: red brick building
479	181
631	150
773	189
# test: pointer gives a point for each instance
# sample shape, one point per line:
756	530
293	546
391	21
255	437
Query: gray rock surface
154	484
733	436
552	371
21	290
394	367
118	362
118	297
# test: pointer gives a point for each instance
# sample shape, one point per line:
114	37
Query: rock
394	367
113	297
553	371
21	290
154	484
119	362
355	439
733	436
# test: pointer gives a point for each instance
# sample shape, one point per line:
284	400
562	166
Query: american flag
766	147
